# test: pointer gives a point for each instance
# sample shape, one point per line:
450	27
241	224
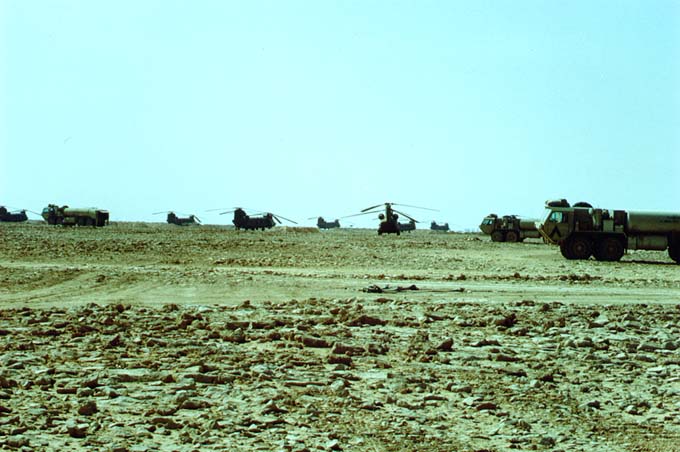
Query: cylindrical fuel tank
656	222
647	242
527	224
80	212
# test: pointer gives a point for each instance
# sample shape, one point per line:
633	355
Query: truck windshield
556	217
553	217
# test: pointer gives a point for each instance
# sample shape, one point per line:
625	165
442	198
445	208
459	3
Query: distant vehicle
16	216
264	221
172	218
323	224
582	231
389	221
72	216
407	227
509	228
439	227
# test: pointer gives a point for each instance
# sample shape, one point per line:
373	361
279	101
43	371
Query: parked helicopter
179	221
389	221
13	217
439	227
407	227
323	224
264	221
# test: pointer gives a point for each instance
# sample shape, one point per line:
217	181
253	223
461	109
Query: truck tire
512	236
609	249
564	249
497	236
580	247
674	252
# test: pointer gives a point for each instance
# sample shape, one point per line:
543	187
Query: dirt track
154	337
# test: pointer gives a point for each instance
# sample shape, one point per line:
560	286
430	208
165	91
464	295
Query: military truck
509	228
70	216
582	231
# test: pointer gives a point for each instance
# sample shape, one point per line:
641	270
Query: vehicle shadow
637	261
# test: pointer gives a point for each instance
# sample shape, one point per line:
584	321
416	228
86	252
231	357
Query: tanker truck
582	231
509	228
71	216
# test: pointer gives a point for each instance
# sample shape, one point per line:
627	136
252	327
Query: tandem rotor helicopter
323	224
389	221
16	216
172	218
264	220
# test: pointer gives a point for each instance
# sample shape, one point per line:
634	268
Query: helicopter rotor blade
215	210
279	216
362	213
158	213
373	207
416	207
407	216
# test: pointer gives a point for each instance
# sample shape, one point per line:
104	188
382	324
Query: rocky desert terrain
153	337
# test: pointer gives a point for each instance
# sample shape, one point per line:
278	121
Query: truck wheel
609	249
512	236
564	249
674	253
580	247
497	236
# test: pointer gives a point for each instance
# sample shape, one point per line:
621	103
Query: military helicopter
389	221
323	224
179	221
266	220
16	216
407	227
439	227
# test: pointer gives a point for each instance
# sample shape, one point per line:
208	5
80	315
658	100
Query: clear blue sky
309	108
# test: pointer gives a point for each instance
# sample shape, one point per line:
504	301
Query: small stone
594	404
332	445
76	430
314	342
17	441
487	406
547	441
88	409
446	345
648	347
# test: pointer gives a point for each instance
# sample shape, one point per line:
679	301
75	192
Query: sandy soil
144	337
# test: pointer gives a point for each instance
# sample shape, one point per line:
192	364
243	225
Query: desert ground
153	337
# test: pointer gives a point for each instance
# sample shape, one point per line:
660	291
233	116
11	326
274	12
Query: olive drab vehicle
71	216
264	221
509	228
582	231
172	218
439	227
389	221
323	224
12	217
407	227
